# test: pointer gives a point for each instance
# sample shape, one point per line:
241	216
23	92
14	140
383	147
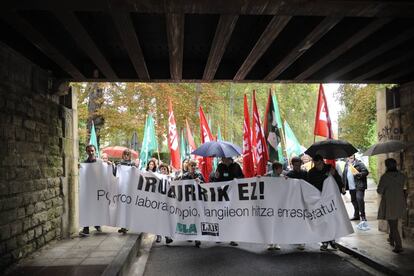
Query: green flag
149	142
93	140
292	143
183	147
279	125
271	130
219	138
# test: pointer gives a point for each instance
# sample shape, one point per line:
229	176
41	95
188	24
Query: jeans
357	199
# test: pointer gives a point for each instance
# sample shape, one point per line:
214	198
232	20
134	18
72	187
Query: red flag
260	151
322	119
173	138
190	137
248	165
206	136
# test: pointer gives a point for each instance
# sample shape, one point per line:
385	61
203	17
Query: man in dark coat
297	172
354	177
91	152
316	177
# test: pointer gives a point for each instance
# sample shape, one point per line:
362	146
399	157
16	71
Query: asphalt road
182	258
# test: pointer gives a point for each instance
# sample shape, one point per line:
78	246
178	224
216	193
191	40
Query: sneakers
84	232
300	246
397	250
197	244
363	225
333	245
98	229
324	247
159	238
232	243
273	247
123	230
168	240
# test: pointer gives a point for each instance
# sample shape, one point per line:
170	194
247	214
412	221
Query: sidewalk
110	253
371	246
106	253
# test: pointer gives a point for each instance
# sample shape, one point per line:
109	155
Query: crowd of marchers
350	175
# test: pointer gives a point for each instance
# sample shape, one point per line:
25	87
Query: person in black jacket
354	177
297	172
316	177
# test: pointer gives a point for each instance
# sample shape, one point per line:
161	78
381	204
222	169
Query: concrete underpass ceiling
206	40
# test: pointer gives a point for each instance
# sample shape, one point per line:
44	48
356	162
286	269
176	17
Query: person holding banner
277	169
91	152
297	173
165	170
316	177
151	166
184	169
126	161
193	174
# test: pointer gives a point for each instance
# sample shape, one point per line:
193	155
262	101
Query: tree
358	117
125	106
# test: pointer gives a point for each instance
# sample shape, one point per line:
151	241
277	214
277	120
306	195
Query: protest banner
258	209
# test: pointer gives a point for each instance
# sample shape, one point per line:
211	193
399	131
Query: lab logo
210	229
185	229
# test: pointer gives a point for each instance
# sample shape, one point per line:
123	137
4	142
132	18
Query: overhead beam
41	43
85	42
345	46
351	8
318	32
383	67
129	36
395	76
175	36
222	37
401	38
273	29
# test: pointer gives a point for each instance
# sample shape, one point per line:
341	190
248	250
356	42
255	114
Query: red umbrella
116	152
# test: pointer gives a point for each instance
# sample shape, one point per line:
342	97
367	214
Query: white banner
260	209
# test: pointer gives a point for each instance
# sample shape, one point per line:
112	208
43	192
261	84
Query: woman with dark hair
126	161
392	187
151	166
165	170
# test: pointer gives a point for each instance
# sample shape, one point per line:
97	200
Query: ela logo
186	230
210	229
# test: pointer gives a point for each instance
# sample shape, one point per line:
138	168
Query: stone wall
407	124
34	172
398	124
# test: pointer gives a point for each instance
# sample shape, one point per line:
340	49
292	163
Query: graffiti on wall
392	130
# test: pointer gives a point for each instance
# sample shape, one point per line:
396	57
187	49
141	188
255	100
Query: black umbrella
331	149
218	149
385	147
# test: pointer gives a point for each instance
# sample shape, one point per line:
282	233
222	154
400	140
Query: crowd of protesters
351	176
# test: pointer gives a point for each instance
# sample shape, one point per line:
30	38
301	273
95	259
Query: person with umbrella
354	177
392	186
316	177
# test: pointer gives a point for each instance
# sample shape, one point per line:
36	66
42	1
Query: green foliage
126	105
359	113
